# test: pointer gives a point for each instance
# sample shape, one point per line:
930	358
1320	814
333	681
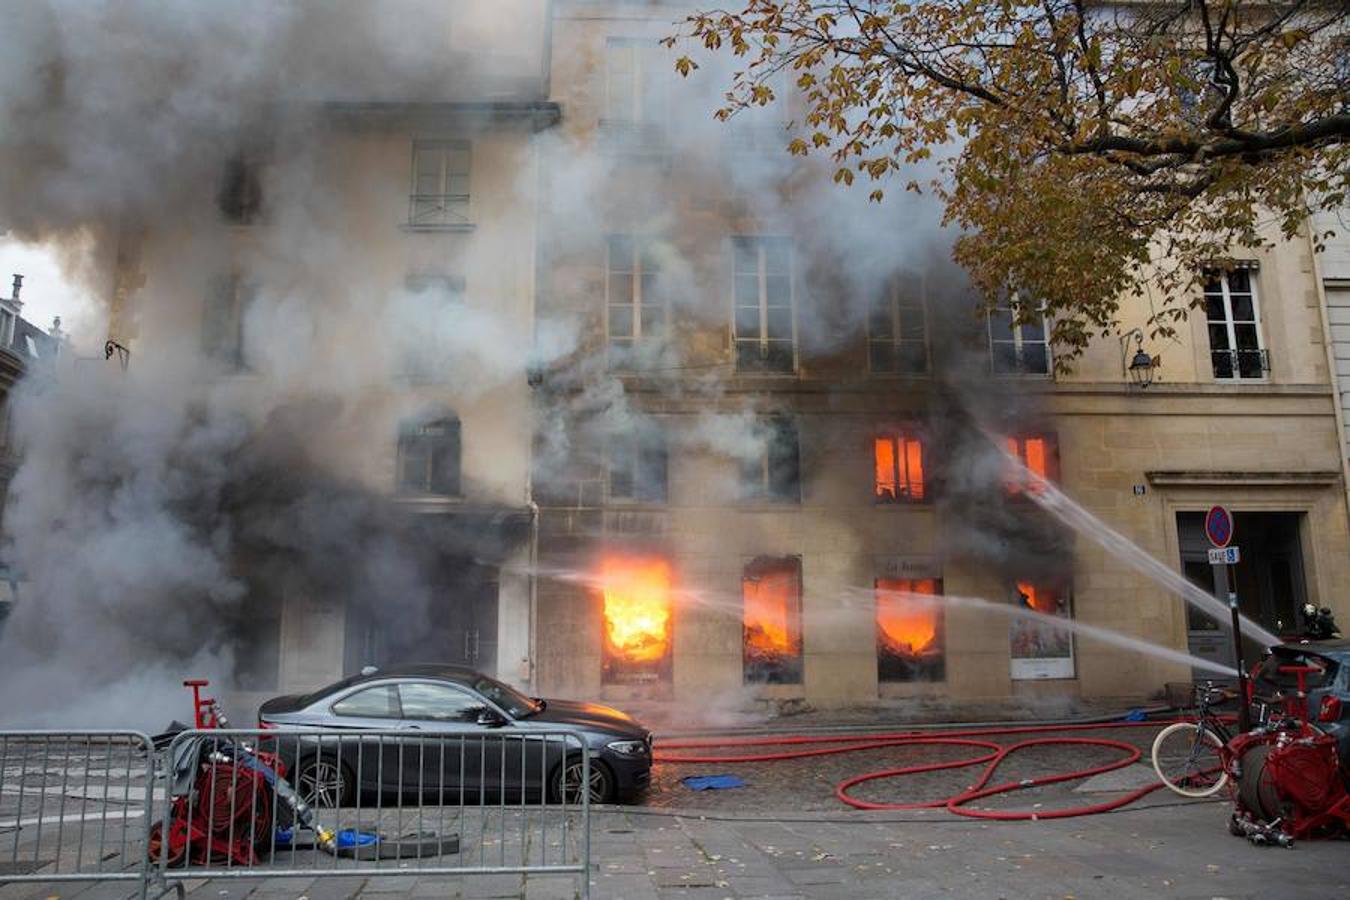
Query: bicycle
1191	758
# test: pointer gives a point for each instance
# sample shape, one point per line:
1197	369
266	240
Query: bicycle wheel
1188	758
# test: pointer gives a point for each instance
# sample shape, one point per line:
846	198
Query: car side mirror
490	719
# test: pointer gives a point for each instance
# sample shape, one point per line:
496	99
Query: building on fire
777	430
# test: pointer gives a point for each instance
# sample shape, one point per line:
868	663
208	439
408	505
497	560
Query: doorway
1269	579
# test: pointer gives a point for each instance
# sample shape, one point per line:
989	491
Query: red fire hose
997	753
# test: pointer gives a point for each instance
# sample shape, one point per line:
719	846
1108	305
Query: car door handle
412	727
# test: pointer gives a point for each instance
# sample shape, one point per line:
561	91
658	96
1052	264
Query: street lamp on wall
1139	366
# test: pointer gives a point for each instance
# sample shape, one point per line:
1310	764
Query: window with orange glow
637	615
1038	455
771	590
909	630
1040	648
898	464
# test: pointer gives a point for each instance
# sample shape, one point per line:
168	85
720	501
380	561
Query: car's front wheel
323	782
570	776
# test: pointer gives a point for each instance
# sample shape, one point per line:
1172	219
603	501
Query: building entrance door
1269	580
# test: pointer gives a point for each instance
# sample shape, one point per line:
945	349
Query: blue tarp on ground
711	782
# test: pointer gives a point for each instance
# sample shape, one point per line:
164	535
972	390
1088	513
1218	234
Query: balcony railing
439	211
1239	364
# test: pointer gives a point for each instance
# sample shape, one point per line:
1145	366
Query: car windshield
516	704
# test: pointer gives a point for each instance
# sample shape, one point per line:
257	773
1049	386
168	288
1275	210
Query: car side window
439	703
374	703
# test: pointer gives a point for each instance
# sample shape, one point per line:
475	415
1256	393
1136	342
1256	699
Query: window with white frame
764	332
1233	318
637	313
637	88
440	185
429	457
7	321
897	328
1018	348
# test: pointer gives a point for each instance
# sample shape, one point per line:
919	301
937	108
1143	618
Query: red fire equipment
1291	785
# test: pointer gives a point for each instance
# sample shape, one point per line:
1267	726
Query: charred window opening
429	458
1234	323
771	590
637	617
227	303
637	466
637	312
1018	348
1039	455
899	468
897	329
440	188
775	474
910	638
240	196
1039	648
764	330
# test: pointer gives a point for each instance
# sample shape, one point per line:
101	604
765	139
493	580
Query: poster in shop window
1039	649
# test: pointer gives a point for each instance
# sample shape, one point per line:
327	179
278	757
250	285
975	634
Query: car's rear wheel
568	777
324	782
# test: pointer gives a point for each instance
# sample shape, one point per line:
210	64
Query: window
1038	455
429	458
763	325
1017	349
898	462
438	703
637	465
909	630
227	304
440	188
1234	326
1040	649
374	703
637	88
897	329
771	590
240	196
775	473
433	303
637	312
7	321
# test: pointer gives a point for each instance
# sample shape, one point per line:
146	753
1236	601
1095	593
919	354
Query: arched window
429	457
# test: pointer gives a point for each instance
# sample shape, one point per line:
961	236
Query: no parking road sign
1219	526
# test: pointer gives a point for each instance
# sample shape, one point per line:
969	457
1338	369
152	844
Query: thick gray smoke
144	495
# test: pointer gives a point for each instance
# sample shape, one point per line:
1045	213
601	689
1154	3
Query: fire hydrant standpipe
992	758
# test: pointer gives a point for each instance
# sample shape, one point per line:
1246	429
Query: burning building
499	349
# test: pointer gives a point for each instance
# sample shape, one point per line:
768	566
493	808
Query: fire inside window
637	614
440	188
1234	326
1017	348
1039	456
899	468
909	630
637	465
763	325
775	473
429	458
1040	649
637	312
897	332
771	590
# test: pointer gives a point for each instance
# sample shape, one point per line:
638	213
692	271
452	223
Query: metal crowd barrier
75	806
445	801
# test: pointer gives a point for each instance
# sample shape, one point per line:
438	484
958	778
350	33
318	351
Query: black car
1324	667
469	739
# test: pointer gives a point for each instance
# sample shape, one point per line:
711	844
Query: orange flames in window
1039	599
637	608
1035	454
899	467
906	626
772	629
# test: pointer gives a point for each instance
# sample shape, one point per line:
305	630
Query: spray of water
859	598
1058	504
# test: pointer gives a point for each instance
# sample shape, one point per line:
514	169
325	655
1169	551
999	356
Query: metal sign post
1219	530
